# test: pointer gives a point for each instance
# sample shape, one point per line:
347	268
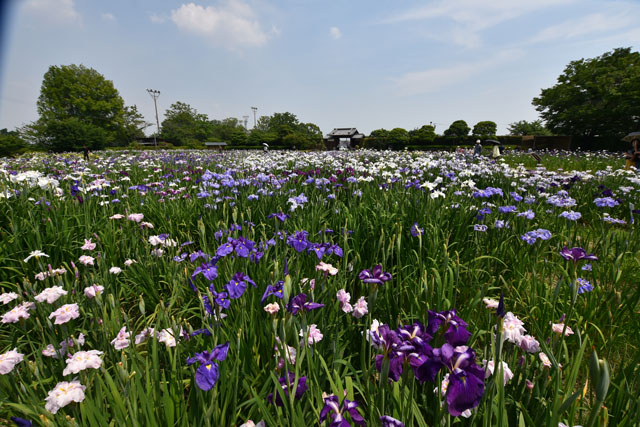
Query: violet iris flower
208	372
455	328
299	302
238	284
388	421
281	216
416	230
209	271
375	275
287	382
276	290
576	254
298	240
332	408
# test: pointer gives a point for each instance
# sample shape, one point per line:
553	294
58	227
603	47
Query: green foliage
377	139
398	138
524	127
183	124
80	100
285	130
485	130
11	143
423	135
596	96
458	129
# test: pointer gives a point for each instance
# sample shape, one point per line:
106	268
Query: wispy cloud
596	23
54	11
466	19
157	19
420	82
109	17
335	32
232	25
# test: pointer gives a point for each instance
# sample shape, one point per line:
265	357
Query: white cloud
54	11
419	82
157	19
593	23
469	17
335	32
232	24
109	17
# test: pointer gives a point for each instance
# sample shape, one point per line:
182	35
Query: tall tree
458	129
524	127
78	100
285	130
423	135
183	125
398	138
485	129
596	96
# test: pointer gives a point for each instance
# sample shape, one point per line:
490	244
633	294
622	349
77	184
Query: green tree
423	135
183	125
524	127
82	101
132	126
285	130
596	96
11	143
398	138
458	129
377	139
485	129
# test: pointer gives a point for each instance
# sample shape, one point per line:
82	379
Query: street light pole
254	116
155	94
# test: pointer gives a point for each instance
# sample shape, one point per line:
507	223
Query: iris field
325	288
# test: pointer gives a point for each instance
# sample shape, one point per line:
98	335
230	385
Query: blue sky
338	63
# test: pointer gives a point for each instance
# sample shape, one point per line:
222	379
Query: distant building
343	138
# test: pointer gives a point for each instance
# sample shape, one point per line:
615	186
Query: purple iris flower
388	421
287	382
389	341
180	258
455	328
332	408
605	202
198	254
415	230
479	227
299	302
281	216
375	275
21	422
507	209
584	286
516	196
317	248
226	248
576	254
221	298
238	284
571	215
528	214
298	241
208	372
208	270
276	290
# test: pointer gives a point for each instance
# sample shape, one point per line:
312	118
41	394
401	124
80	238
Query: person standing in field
477	149
496	152
85	152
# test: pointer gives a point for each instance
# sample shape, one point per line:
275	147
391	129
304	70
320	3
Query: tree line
593	98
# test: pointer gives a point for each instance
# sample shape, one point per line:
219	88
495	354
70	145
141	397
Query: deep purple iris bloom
298	240
375	275
208	372
415	230
455	328
287	382
299	302
576	254
281	216
584	286
21	422
388	421
276	290
238	284
332	408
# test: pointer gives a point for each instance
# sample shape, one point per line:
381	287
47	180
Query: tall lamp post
254	115
155	94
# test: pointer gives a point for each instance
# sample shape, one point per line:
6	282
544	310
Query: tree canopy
524	127
184	126
458	129
78	106
285	130
423	135
485	129
596	96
